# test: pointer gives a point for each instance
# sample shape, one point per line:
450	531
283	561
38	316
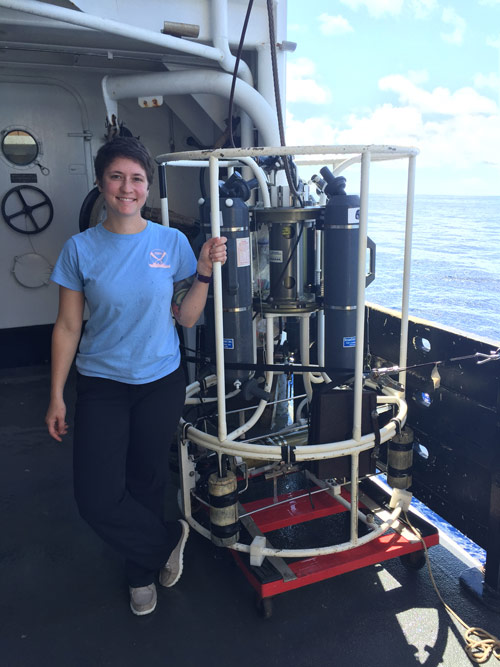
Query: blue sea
455	278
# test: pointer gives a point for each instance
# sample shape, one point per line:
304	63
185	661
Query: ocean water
455	277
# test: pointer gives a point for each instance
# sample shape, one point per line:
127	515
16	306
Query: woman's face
125	187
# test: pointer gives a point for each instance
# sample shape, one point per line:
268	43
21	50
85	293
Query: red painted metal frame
311	570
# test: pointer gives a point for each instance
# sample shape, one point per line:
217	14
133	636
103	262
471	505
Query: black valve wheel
37	216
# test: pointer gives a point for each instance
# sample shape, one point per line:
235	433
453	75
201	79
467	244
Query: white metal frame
229	444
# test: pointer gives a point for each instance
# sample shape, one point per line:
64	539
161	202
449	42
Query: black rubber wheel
414	560
264	606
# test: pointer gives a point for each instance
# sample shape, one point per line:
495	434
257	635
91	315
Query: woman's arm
188	311
65	337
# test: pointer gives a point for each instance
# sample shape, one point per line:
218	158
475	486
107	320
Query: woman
130	386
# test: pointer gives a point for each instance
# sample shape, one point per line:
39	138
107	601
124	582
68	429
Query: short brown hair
127	147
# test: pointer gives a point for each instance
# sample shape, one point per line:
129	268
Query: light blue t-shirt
128	281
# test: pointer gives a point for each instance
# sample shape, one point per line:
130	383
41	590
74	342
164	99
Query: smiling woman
126	268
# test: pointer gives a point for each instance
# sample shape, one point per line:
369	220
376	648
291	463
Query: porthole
423	399
20	147
422	344
422	451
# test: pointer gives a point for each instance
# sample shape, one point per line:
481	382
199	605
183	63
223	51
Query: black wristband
203	279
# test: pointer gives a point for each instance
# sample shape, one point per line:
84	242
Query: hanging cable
279	111
481	357
235	72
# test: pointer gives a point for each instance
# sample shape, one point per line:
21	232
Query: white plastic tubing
184	82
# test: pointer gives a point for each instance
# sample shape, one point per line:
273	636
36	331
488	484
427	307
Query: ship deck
64	599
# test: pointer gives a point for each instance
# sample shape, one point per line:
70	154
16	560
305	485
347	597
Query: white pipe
114	27
210	399
164	212
302	404
304	354
318	255
354	497
323	551
219	328
259	173
183	82
220	38
184	491
360	302
263	403
403	349
376	151
302	453
306	553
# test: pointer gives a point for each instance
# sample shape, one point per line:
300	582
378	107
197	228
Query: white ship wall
50	85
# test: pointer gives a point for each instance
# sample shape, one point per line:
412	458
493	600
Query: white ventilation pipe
220	38
184	82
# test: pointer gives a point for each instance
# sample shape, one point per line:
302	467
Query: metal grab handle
372	247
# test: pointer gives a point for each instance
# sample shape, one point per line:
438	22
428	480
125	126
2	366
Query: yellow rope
479	644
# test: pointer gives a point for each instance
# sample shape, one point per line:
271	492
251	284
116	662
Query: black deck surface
64	601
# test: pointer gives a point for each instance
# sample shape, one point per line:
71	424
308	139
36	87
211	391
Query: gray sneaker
143	599
171	572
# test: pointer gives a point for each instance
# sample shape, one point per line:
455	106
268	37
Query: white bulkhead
66	68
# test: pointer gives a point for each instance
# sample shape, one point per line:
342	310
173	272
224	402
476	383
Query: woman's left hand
213	250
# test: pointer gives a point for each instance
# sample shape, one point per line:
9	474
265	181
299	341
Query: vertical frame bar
219	327
403	343
360	302
162	181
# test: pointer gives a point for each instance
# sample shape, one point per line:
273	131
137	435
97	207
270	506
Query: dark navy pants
122	439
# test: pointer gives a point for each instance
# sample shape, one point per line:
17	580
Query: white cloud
459	142
301	84
440	100
420	8
418	76
334	25
458	25
312	131
376	7
491	81
443	124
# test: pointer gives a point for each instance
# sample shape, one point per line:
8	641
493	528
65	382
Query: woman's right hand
56	419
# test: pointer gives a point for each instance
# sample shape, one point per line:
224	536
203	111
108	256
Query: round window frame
19	128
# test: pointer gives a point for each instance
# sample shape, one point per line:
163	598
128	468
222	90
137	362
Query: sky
422	73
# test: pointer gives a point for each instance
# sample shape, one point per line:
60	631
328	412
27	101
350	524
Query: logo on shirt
158	259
